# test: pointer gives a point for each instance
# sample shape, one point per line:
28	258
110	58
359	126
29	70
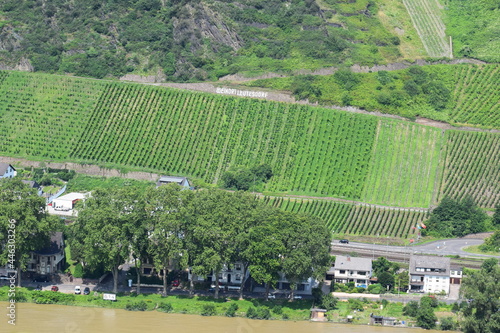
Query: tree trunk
243	280
216	274
18	275
115	279
267	292
164	281
292	292
138	269
191	284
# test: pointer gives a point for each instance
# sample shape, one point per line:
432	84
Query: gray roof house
353	269
429	274
7	170
181	181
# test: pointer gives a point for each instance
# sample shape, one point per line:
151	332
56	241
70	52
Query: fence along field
353	219
404	165
426	17
42	115
472	167
311	150
476	95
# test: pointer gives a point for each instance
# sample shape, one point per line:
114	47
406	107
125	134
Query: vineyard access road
443	247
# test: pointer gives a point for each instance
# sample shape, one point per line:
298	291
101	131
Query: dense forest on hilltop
184	40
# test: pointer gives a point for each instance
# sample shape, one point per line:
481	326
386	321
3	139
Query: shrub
50	297
278	309
375	288
428	301
447	324
263	313
355	304
208	310
136	306
231	310
78	271
284	316
251	313
411	309
165	307
329	302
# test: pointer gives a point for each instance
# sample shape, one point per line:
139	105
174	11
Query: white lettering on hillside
242	93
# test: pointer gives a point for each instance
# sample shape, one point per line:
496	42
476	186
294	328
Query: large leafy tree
213	226
481	289
24	224
102	228
307	248
166	207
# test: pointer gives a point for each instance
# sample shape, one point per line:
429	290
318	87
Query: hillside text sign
242	93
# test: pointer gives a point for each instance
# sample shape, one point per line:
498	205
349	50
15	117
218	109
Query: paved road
442	247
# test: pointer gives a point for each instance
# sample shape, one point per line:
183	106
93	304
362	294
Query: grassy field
350	219
427	19
472	168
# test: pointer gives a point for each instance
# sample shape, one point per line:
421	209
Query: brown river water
34	318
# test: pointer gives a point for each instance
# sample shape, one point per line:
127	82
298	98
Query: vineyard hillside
345	218
312	151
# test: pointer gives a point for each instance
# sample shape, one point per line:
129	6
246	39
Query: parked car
54	288
41	278
295	296
175	283
86	291
78	290
344	241
38	287
271	296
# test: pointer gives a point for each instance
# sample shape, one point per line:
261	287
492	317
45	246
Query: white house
232	276
7	170
49	259
67	202
353	269
181	181
429	274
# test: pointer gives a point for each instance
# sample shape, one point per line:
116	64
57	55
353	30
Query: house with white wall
429	274
181	181
50	259
353	269
7	170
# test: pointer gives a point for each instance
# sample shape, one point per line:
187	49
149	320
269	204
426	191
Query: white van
78	290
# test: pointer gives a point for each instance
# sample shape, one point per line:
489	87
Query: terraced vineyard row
404	165
355	219
477	96
311	150
42	115
472	167
426	17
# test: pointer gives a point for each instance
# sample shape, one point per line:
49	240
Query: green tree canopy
24	224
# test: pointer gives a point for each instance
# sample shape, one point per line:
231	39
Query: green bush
329	302
78	273
231	310
375	288
263	313
411	309
165	307
355	304
447	324
251	313
51	297
208	310
278	309
136	306
429	301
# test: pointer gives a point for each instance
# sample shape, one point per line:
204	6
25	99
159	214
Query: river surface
35	318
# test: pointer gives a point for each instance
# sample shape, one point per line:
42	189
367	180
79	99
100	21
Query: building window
238	277
238	267
361	273
342	271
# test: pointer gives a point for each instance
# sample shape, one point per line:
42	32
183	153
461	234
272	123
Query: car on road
86	291
78	290
295	296
54	288
271	296
176	283
344	241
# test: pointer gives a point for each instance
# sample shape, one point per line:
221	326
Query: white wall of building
436	284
